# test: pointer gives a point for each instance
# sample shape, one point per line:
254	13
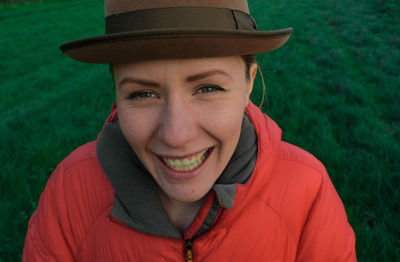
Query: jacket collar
137	202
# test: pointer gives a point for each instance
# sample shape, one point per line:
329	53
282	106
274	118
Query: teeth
186	164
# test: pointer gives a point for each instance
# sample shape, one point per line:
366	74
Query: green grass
333	88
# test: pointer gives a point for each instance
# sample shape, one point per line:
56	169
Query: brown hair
249	60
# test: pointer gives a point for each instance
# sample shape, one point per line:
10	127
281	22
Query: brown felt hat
156	29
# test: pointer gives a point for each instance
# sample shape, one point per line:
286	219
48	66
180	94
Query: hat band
205	18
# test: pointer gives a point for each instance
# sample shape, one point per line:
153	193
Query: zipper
188	254
189	257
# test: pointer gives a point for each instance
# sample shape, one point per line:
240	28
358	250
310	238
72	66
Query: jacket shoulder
294	184
76	194
297	155
317	218
86	152
84	182
299	168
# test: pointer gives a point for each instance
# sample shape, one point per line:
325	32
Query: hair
250	60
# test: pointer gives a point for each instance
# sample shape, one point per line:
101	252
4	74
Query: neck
181	214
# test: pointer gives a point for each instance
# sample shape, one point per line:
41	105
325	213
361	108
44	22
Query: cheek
224	122
137	127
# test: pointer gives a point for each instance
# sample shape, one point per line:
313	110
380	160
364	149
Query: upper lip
183	156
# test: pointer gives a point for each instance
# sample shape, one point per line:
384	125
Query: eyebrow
206	74
142	82
196	77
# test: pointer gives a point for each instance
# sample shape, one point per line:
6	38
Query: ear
250	82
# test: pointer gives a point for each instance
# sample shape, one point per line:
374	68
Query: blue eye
141	95
210	89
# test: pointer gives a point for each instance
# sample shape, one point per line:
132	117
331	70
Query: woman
186	168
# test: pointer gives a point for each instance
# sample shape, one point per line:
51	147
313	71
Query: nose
178	123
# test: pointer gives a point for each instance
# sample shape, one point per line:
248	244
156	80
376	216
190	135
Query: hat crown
137	30
113	7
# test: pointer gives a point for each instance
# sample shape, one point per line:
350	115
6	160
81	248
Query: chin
187	195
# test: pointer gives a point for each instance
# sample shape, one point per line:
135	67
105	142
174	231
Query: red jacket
287	211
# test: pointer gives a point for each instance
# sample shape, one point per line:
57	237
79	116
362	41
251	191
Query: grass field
334	89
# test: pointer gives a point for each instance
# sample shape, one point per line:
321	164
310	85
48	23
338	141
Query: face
183	118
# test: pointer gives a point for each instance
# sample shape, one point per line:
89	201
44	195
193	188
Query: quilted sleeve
49	236
327	235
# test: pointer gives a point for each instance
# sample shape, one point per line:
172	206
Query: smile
188	163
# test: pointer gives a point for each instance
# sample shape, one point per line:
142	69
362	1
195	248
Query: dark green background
334	89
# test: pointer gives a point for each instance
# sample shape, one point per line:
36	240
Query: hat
157	29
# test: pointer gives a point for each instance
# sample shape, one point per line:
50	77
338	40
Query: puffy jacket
287	211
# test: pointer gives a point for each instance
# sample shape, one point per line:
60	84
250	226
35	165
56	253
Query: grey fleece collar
137	201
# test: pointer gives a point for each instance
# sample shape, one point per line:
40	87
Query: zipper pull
189	250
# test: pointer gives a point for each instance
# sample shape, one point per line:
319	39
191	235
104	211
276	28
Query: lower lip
183	175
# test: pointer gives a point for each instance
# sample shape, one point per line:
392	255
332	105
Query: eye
209	89
140	95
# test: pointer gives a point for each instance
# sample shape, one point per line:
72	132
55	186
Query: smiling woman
167	122
186	167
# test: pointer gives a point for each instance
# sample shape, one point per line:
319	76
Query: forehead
181	67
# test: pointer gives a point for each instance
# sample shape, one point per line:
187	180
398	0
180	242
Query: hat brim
163	44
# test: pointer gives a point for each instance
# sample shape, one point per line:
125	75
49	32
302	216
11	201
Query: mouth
186	164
